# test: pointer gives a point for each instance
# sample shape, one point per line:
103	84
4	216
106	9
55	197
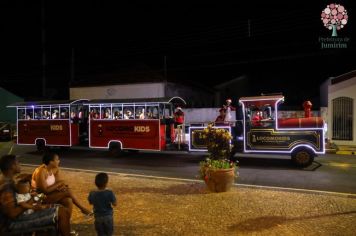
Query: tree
334	17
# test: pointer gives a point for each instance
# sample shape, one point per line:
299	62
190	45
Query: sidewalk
346	150
149	206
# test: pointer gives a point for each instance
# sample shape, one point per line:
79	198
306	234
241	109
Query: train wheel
303	157
41	145
115	149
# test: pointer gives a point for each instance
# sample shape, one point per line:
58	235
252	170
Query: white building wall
143	90
343	89
202	115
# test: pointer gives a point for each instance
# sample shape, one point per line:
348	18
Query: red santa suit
256	119
178	117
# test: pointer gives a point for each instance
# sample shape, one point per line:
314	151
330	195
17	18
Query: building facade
194	96
6	114
341	109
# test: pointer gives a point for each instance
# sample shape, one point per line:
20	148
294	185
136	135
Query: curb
331	151
346	152
282	189
298	190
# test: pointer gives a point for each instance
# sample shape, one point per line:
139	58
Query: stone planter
220	180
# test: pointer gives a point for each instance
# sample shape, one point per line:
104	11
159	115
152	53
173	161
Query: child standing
102	200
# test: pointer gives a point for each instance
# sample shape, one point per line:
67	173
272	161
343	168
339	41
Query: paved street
330	172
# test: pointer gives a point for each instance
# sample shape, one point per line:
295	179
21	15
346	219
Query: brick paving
149	206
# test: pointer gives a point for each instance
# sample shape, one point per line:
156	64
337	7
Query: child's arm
26	205
90	198
113	200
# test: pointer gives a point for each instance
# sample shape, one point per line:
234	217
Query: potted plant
217	170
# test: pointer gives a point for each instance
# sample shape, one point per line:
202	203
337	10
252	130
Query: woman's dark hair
48	157
101	180
6	162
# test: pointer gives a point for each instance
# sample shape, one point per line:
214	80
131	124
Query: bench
48	230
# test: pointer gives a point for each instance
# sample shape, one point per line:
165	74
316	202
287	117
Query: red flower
206	177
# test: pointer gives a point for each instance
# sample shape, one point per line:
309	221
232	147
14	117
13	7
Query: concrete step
345	152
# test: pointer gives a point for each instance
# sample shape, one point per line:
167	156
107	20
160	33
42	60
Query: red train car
133	124
49	123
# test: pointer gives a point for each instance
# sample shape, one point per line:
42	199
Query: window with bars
342	118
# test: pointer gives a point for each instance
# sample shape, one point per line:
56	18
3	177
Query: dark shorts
104	225
37	219
176	124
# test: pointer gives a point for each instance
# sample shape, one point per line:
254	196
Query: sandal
74	233
89	215
87	212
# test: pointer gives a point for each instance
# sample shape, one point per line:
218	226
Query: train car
263	131
132	124
50	123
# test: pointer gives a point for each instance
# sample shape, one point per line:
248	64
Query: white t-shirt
24	198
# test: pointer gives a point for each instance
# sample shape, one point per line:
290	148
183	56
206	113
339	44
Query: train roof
137	100
178	100
263	100
48	103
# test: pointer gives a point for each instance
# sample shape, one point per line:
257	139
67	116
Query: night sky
207	43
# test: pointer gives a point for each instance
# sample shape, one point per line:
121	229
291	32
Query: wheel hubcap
302	157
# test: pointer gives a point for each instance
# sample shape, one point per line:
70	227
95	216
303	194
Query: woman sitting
46	179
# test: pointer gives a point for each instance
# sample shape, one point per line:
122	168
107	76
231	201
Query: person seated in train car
37	115
178	116
140	114
220	119
73	117
107	114
22	115
116	115
128	114
64	114
28	117
92	114
149	114
46	115
55	114
256	119
80	114
155	114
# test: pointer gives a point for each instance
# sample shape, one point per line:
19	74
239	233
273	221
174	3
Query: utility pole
249	28
165	75
72	71
43	39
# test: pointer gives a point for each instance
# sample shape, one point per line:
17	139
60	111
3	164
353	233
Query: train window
94	112
106	112
140	112
46	113
64	112
152	112
21	114
29	113
117	111
55	112
38	113
128	112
